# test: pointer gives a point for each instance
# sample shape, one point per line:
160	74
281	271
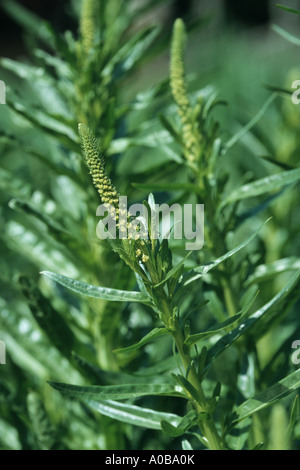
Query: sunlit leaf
286	35
89	290
131	414
263	186
117	392
284	387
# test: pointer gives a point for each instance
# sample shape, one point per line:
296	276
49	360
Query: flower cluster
96	164
191	136
107	191
87	24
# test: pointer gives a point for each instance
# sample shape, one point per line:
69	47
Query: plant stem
229	297
207	426
216	241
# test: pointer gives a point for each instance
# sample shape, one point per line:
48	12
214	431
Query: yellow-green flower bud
145	258
96	165
177	72
191	136
88	24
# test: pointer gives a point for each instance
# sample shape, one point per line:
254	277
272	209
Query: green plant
212	314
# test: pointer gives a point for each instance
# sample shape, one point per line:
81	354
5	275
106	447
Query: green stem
229	297
218	246
207	427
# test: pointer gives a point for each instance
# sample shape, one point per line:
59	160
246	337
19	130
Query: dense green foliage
132	344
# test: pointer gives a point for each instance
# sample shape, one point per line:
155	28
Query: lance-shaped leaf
197	273
175	270
290	10
264	272
132	414
117	392
284	387
187	421
293	416
89	290
127	57
155	333
260	320
192	339
245	129
263	186
286	35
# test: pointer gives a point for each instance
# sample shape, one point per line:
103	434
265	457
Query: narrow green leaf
290	10
246	376
24	71
286	91
129	55
171	154
151	140
97	292
199	272
117	392
237	439
131	414
220	326
262	186
217	390
261	315
286	35
174	270
259	446
155	333
201	361
266	398
174	431
267	271
252	123
293	416
187	386
189	312
62	68
212	331
170	128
